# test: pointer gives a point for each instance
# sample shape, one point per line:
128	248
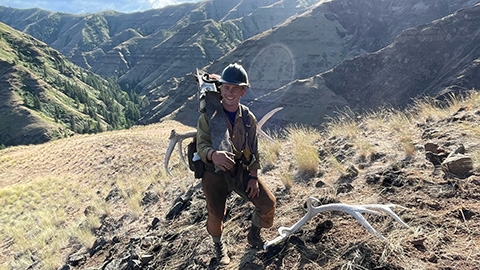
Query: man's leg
263	214
215	190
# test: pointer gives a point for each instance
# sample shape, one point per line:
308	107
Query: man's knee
268	200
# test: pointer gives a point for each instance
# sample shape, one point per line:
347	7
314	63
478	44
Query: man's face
232	93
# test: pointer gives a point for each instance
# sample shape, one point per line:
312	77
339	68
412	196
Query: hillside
339	52
142	47
285	45
44	96
104	200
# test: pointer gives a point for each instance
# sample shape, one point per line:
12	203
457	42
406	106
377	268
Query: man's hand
252	188
223	160
214	76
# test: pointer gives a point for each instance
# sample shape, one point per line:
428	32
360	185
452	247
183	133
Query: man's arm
204	139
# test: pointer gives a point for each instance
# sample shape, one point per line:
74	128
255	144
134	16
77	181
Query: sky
91	6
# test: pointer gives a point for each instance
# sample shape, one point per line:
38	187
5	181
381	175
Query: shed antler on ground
355	210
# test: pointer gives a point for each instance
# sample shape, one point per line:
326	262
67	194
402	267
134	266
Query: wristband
253	177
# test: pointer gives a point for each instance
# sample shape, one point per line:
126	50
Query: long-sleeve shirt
238	136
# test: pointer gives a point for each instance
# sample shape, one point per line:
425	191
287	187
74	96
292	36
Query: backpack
194	162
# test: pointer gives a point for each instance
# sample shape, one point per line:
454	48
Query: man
233	167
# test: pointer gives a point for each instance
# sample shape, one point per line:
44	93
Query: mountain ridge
47	97
281	92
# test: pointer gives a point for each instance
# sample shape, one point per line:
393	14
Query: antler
179	137
264	120
174	139
355	210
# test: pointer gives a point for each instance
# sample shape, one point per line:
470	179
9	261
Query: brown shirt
237	134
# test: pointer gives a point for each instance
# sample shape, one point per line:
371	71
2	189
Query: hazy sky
86	6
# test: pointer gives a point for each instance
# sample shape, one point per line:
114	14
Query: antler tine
388	209
265	119
180	152
354	210
267	116
182	137
174	139
171	146
264	134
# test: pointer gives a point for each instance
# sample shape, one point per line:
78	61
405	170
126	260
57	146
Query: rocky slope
386	157
441	207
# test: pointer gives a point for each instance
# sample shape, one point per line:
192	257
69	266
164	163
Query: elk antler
355	210
265	119
179	137
174	139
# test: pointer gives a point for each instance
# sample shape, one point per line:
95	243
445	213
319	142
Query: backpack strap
216	120
246	117
247	124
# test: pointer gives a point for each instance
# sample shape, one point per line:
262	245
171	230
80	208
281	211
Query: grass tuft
270	151
305	150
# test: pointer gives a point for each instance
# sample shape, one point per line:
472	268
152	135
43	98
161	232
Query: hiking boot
254	238
221	253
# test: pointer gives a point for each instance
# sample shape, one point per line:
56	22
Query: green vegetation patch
60	92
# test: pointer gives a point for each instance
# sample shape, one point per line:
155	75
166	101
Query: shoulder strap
216	120
247	124
246	117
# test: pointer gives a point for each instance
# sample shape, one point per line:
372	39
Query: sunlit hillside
104	200
44	96
46	188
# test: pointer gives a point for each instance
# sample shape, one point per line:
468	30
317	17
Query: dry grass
36	217
46	189
344	125
400	124
431	109
287	179
305	152
350	126
270	150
